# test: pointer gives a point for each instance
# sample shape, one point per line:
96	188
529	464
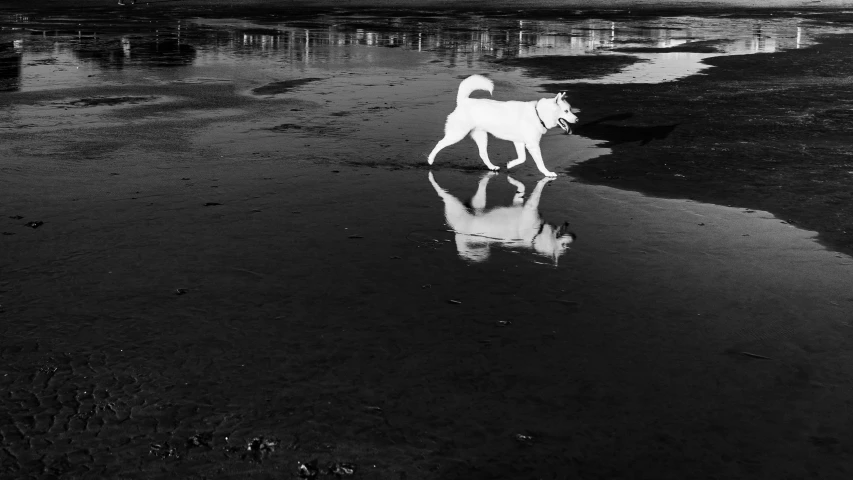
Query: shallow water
41	52
244	263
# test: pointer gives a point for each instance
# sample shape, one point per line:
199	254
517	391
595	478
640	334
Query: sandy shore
239	269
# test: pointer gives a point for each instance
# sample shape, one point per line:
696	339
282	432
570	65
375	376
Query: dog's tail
474	82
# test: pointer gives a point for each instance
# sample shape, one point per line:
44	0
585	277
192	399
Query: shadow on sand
615	134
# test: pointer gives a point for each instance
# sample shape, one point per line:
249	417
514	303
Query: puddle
571	67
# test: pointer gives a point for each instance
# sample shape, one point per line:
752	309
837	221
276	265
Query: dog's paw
494	168
549	174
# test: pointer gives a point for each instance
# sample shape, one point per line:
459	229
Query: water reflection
518	226
10	67
503	38
117	53
669	47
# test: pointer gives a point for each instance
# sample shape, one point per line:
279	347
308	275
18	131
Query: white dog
519	226
522	123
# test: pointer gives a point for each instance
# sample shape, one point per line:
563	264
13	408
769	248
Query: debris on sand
261	447
35	224
163	450
341	469
200	440
180	291
755	355
523	438
307	470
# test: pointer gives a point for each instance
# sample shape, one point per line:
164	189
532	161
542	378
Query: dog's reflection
517	226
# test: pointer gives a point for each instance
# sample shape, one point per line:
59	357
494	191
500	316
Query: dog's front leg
522	155
482	139
533	148
532	202
518	199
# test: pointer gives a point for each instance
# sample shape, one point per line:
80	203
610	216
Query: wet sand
770	133
235	272
314	321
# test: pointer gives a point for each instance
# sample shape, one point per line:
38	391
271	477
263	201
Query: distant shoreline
633	6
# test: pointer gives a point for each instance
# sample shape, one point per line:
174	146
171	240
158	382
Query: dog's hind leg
454	210
482	139
518	199
537	157
453	132
478	201
522	155
440	191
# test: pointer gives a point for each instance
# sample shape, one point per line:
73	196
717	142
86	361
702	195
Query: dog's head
553	241
564	113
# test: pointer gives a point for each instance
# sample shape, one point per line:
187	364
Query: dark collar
537	114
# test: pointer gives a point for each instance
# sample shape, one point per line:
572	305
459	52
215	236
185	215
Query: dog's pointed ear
563	230
560	96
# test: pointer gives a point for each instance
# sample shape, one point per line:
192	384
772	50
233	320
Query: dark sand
771	132
222	284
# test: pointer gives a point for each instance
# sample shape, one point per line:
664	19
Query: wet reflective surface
224	256
519	226
660	49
